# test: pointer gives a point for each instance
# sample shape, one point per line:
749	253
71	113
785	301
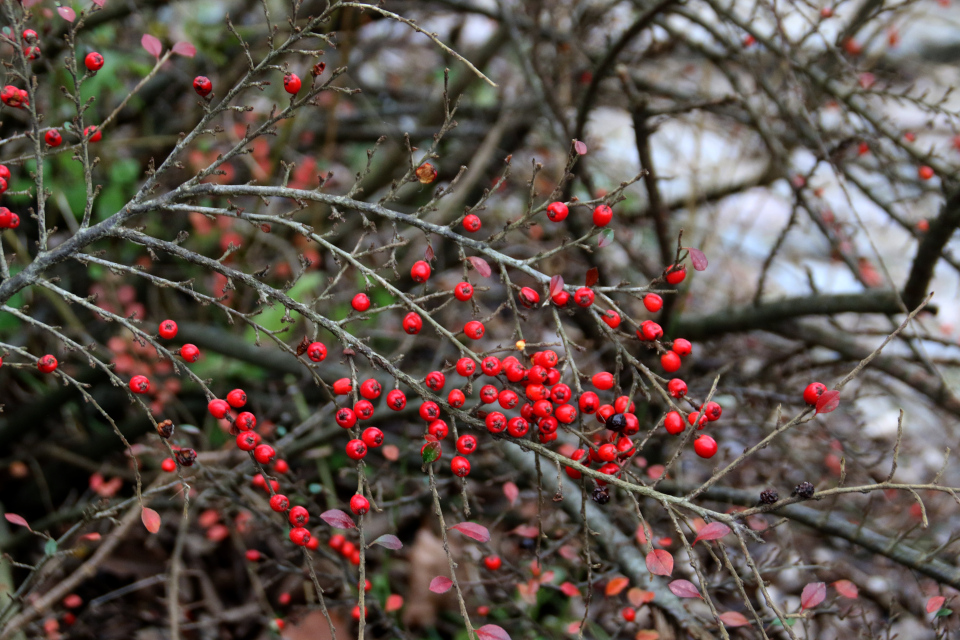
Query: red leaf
606	237
394	603
813	594
580	147
829	401
441	584
713	531
473	530
638	596
151	519
684	589
99	3
698	259
556	285
67	13
337	519
592	276
481	266
511	491
935	603
492	632
642	534
616	585
391	452
733	619
152	45
846	588
428	253
93	537
13	518
569	589
185	49
389	541
660	562
526	531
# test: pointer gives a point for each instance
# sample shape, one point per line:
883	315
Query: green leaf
944	612
431	453
51	548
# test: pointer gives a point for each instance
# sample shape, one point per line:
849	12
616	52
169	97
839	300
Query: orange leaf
638	596
646	634
616	585
660	562
846	588
935	603
734	619
569	589
394	603
151	519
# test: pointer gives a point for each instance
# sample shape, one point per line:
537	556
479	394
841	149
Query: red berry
53	138
813	392
291	83
466	444
47	364
493	563
438	429
557	211
347	549
560	394
589	402
676	274
625	447
246	421
94	133
343	386
466	367
317	351
370	389
435	380
412	323
670	361
603	380
610	469
14	221
623	404
299	536
560	298
605	412
508	399
463	291
359	504
628	614
264	454
372	437
472	223
202	85
583	297
517	427
360	302
29	35
474	329
248	440
692	419
925	172
548	359
284	598
140	384
652	302
607	452
489	394
190	353
611	317
649	330
496	422
429	411
281	466
168	330
93	61
5	216
514	372
673	423
460	466
345	417
336	541
252	555
490	366
218	408
712	411
565	413
682	347
602	215
483	610
5	172
299	516
420	271
168	465
456	398
396	400
279	502
237	398
356	449
529	297
705	446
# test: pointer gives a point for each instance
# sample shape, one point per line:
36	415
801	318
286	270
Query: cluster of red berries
14	97
558	212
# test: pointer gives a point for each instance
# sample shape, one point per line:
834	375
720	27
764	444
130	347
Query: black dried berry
165	429
769	496
617	422
601	495
804	490
186	457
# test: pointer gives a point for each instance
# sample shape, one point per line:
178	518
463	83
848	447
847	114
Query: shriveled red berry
529	297
359	504
168	330
813	392
557	211
317	351
460	466
356	449
279	502
93	61
412	323
463	291
190	352
705	446
652	302
583	297
292	83
472	223
140	384
202	85
602	215
360	302
420	271
237	398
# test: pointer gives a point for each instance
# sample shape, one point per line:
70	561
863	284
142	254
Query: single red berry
712	411
529	297
5	216
670	361
602	215
605	412
14	221
396	400
248	440
299	516
603	380
31	52
281	466
189	352
291	83
429	411
460	466
435	380
682	347
565	413
53	138
472	223
360	302
493	563
463	291
483	610
466	367
560	394
371	389
284	598
508	399
5	172
607	452
47	364
202	85
466	444
252	555
347	549
489	394
705	446
514	372
299	536
363	409
438	429
140	384
336	541
93	61
548	425
517	427
345	417
412	323
675	274
420	271
628	614
168	465
474	329
168	330
677	388
692	419
94	133
343	386
925	172
456	398
356	449
589	402
29	35
625	447
218	408
652	302
623	404
317	351
649	330
372	437
496	422
548	359
278	623
237	398
246	421
583	297
490	365
359	504
813	392
610	469
264	454
560	298
673	423
557	211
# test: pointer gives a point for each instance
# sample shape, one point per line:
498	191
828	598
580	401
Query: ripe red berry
281	466
589	402
583	297
345	417
565	413
692	419
652	302
264	454
673	423
607	452
246	421
508	399
649	330
560	394
363	409
140	384
677	388
611	318
347	549
466	444
343	386
372	437
560	298
813	392
299	516
489	394
5	172
429	411
712	411
496	422
356	449
237	398
370	389
53	138
168	330
435	380
463	291
336	541
299	536
456	398
705	446
670	361
517	427
605	412
676	274
557	211
5	216
248	440
466	367
628	614
438	429
492	563
93	61
396	400
610	469
420	271
202	85
189	352
623	404
472	223
252	555
279	502
317	351
602	215
29	35
14	221
47	364
603	380
284	598
460	466
474	329
682	347
529	298
168	465
94	133
412	323
581	456
218	408
291	83
359	504
360	302
925	172
513	371
490	365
